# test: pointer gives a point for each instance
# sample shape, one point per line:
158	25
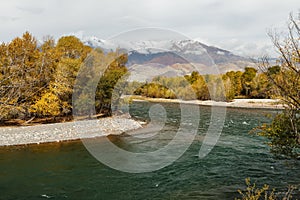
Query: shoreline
66	131
76	130
273	104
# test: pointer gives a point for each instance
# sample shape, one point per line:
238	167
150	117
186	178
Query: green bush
283	134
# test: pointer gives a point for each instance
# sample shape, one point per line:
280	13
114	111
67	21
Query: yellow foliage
48	105
254	193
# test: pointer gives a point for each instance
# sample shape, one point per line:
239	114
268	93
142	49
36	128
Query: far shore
236	103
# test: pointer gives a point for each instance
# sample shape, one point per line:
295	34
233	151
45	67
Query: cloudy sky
235	25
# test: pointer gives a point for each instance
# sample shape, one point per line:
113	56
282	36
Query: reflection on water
67	171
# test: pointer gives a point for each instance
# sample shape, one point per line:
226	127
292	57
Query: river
66	170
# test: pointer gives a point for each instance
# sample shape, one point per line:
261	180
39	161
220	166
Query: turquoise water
67	171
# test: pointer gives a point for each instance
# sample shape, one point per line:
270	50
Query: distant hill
172	58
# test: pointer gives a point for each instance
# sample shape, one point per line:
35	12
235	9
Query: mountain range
147	59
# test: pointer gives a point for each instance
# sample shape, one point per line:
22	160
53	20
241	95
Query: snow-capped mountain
171	57
190	50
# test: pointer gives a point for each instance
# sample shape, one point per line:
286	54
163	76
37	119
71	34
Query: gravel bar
66	131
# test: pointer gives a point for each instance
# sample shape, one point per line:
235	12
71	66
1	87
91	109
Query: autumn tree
38	80
62	61
233	83
108	84
199	85
229	87
99	84
247	77
284	131
71	47
20	73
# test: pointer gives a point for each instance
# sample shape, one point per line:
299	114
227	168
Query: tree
60	64
71	47
199	84
107	85
193	77
260	87
229	88
235	79
48	105
282	135
62	85
38	80
86	83
284	131
20	72
247	77
48	61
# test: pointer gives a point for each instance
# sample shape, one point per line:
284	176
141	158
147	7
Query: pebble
66	131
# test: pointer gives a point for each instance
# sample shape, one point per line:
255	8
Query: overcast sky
237	25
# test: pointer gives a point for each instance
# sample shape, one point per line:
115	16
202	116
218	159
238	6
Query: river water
68	171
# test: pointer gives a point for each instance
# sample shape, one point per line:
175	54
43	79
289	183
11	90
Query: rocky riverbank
66	131
236	103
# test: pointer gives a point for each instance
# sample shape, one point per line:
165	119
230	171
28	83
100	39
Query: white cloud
239	26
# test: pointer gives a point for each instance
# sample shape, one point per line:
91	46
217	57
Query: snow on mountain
147	46
188	47
95	42
180	47
150	58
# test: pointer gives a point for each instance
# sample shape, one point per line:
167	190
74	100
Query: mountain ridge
172	57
